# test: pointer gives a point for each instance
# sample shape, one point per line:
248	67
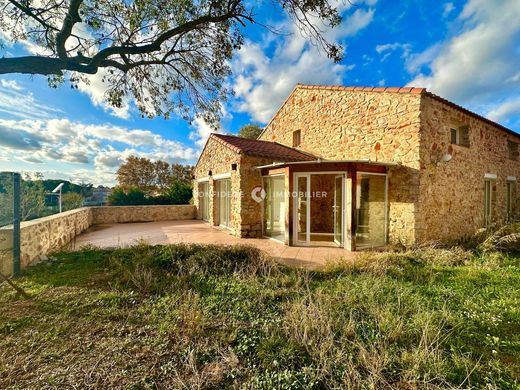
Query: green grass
212	317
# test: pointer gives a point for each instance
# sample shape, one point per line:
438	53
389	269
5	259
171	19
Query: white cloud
17	102
201	132
263	81
96	88
10	84
447	9
478	67
99	149
388	48
505	110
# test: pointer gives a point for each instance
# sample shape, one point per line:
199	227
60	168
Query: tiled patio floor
170	232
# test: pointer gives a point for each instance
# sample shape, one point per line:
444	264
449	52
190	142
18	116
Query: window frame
512	155
461	135
297	136
489	199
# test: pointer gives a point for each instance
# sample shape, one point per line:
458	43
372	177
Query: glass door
274	207
302	217
224	202
338	210
204	200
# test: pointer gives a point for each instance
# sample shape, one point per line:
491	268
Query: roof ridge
250	146
471	113
414	90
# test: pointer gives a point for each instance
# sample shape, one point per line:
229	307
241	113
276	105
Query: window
512	150
459	135
490	189
296	138
509	200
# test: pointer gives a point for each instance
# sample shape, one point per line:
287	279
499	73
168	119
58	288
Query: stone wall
251	211
40	236
43	235
451	200
345	124
218	158
125	214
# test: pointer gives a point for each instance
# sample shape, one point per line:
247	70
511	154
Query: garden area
203	316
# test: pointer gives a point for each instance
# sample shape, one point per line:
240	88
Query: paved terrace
193	231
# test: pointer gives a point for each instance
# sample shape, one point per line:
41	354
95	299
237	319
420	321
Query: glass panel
509	203
274	207
204	200
489	201
370	211
302	204
224	201
338	210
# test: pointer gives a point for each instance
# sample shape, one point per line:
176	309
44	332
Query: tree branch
70	20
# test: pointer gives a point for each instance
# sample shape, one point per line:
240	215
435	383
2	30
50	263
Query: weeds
194	316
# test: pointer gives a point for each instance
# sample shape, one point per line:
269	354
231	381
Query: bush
130	197
177	193
148	268
504	239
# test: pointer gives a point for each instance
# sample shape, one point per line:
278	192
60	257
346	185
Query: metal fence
10	211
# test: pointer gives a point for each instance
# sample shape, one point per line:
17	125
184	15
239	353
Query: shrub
130	197
178	193
504	239
147	268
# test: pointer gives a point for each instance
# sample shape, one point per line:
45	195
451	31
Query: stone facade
451	197
43	235
223	162
349	124
403	132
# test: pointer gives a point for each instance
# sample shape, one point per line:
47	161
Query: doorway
204	200
223	188
274	207
319	209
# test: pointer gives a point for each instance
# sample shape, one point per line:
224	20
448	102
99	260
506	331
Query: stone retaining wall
126	214
43	235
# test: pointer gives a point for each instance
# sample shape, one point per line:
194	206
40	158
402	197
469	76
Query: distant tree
127	197
71	200
138	172
181	173
167	55
151	177
178	193
50	184
250	131
162	174
32	199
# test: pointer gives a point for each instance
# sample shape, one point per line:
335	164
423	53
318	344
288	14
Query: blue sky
466	51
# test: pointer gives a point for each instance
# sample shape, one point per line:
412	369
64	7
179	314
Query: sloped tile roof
253	147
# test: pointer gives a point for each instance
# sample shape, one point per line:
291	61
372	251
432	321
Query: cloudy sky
466	51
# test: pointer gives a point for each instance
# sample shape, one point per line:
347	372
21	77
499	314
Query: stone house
359	168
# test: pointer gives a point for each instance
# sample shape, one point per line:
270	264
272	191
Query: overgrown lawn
193	316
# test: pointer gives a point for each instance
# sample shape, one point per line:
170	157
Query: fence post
16	223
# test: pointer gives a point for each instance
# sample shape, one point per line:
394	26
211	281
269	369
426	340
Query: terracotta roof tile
365	89
253	147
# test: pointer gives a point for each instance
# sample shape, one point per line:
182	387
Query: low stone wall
40	236
125	214
43	235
